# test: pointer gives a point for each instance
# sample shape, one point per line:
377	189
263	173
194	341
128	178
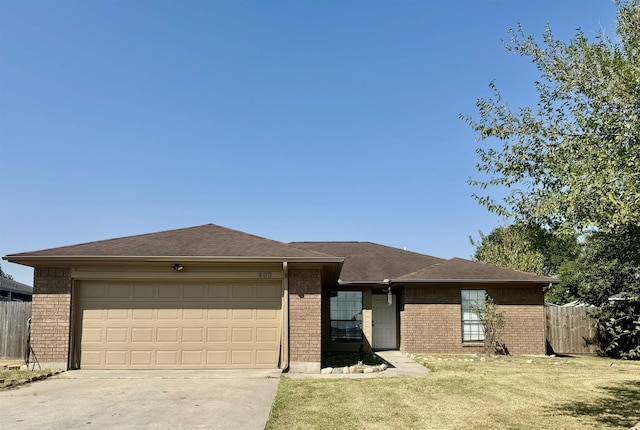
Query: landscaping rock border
354	369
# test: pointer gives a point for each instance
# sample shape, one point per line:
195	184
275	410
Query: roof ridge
120	238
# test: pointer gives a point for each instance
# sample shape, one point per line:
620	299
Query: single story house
12	291
212	297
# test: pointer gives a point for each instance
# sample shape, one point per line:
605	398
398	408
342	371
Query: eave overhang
39	260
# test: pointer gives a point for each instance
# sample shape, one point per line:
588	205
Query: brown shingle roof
458	269
366	261
202	241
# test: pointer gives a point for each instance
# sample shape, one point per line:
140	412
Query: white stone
326	370
368	370
383	367
529	361
345	369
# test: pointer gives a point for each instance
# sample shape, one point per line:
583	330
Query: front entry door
384	322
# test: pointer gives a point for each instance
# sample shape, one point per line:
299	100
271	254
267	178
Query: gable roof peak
208	240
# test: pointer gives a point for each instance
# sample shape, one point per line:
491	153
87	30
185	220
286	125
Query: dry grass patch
470	392
11	376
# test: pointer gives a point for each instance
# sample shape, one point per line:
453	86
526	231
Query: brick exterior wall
51	314
305	319
430	320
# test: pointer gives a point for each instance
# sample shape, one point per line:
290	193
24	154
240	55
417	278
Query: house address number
265	275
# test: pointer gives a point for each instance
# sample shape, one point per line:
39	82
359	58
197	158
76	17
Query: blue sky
292	120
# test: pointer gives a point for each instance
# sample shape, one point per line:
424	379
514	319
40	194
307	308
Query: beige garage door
191	326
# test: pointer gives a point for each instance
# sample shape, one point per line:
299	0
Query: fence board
14	317
569	330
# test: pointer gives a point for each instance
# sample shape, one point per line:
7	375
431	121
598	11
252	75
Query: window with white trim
472	327
345	308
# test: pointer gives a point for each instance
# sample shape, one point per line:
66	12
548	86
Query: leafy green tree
5	275
527	248
608	265
572	162
508	247
619	324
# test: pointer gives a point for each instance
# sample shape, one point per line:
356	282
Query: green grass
488	392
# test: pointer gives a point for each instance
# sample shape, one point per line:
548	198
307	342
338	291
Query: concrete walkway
399	365
402	365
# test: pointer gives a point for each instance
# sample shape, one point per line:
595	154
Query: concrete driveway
153	399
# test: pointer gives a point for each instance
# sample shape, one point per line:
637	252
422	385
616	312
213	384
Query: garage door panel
142	335
142	314
217	334
195	334
167	358
169	291
269	292
92	358
218	358
264	357
242	291
196	325
168	314
142	358
192	358
116	291
117	334
218	314
195	291
167	334
242	357
267	334
193	314
144	291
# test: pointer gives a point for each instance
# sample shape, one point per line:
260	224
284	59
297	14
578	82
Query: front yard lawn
495	392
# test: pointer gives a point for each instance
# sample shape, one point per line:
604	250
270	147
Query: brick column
305	320
51	316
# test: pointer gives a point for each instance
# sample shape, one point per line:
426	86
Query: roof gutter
387	282
29	260
476	281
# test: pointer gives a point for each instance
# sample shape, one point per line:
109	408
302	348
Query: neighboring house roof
203	241
9	285
371	262
458	269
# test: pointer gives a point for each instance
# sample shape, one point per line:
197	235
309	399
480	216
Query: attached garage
204	297
169	325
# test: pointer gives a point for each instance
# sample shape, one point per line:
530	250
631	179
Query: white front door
384	322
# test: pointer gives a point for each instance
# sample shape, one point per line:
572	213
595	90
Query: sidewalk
402	365
399	365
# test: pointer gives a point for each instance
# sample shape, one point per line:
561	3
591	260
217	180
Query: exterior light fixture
177	267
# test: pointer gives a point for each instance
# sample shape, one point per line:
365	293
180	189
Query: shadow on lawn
619	405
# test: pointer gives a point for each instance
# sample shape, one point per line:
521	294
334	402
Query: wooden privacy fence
14	317
569	330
